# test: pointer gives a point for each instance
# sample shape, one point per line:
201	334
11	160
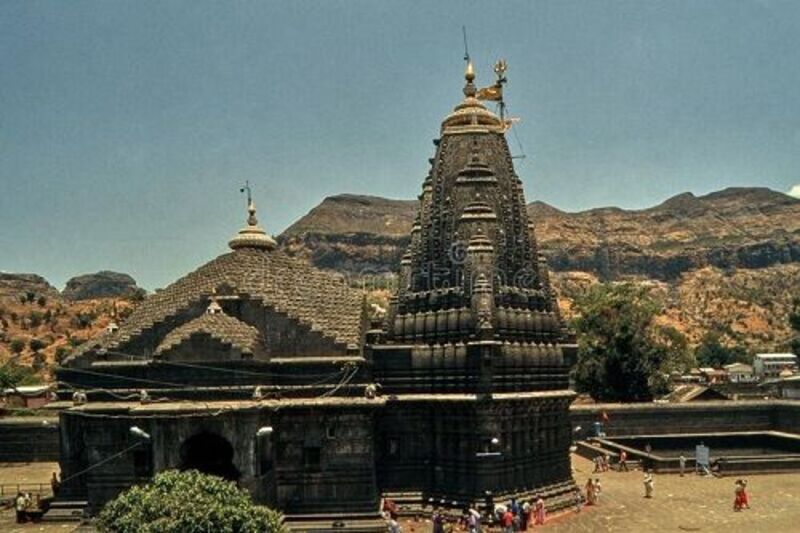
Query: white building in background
770	365
740	373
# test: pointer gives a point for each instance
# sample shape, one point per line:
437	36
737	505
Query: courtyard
689	503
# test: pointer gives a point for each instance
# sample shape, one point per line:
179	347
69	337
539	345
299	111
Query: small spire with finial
251	236
469	88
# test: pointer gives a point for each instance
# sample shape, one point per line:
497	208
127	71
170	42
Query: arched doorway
211	454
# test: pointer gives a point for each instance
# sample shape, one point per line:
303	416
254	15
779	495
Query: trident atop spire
249	192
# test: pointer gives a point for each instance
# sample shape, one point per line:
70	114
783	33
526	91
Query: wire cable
102	462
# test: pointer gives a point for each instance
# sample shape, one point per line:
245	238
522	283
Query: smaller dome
252	236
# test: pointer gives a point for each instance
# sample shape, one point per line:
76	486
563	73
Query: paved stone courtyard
690	503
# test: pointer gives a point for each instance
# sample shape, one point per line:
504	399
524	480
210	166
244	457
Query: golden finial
469	75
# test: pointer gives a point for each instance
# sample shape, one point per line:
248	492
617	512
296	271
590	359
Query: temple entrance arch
211	454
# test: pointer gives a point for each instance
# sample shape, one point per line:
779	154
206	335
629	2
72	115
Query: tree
712	353
794	321
41	301
187	502
623	353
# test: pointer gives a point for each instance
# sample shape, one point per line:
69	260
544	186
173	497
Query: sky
127	128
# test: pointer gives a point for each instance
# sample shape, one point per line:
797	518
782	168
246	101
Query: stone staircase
66	511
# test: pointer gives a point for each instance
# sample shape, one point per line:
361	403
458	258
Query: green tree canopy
187	502
623	354
794	321
711	352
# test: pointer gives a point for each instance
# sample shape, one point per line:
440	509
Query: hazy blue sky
126	128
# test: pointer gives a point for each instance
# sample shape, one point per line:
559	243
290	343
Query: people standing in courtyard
591	496
648	485
598	489
740	499
578	500
525	516
745	497
55	484
682	464
507	521
438	521
737	495
606	462
540	512
623	461
19	507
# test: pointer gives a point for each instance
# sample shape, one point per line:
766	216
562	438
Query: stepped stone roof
220	326
289	285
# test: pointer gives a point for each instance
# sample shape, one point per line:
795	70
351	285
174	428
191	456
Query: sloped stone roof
220	326
291	286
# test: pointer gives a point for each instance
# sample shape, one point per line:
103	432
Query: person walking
598	489
737	495
682	464
745	497
648	485
591	496
623	461
540	512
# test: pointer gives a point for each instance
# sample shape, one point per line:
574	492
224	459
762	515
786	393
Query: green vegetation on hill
624	355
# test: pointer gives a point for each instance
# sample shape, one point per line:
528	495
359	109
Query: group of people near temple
510	518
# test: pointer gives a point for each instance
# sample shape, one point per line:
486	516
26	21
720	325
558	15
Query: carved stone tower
473	345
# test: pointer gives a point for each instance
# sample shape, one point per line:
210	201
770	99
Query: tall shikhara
473	351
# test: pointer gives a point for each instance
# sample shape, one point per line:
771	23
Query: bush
17	345
187	502
41	301
13	375
35	318
36	344
62	352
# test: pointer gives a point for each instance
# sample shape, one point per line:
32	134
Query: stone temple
260	368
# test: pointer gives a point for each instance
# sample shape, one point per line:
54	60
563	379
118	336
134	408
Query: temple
473	352
264	370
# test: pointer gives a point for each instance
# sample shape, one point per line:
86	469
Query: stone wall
28	439
316	459
699	417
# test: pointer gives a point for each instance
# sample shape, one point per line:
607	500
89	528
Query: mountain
40	326
736	227
353	234
728	261
28	286
103	284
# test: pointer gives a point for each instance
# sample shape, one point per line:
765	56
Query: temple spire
251	236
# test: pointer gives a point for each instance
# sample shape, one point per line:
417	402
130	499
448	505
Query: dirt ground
689	503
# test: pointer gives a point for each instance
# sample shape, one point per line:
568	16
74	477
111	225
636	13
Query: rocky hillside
39	326
738	227
728	261
353	234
